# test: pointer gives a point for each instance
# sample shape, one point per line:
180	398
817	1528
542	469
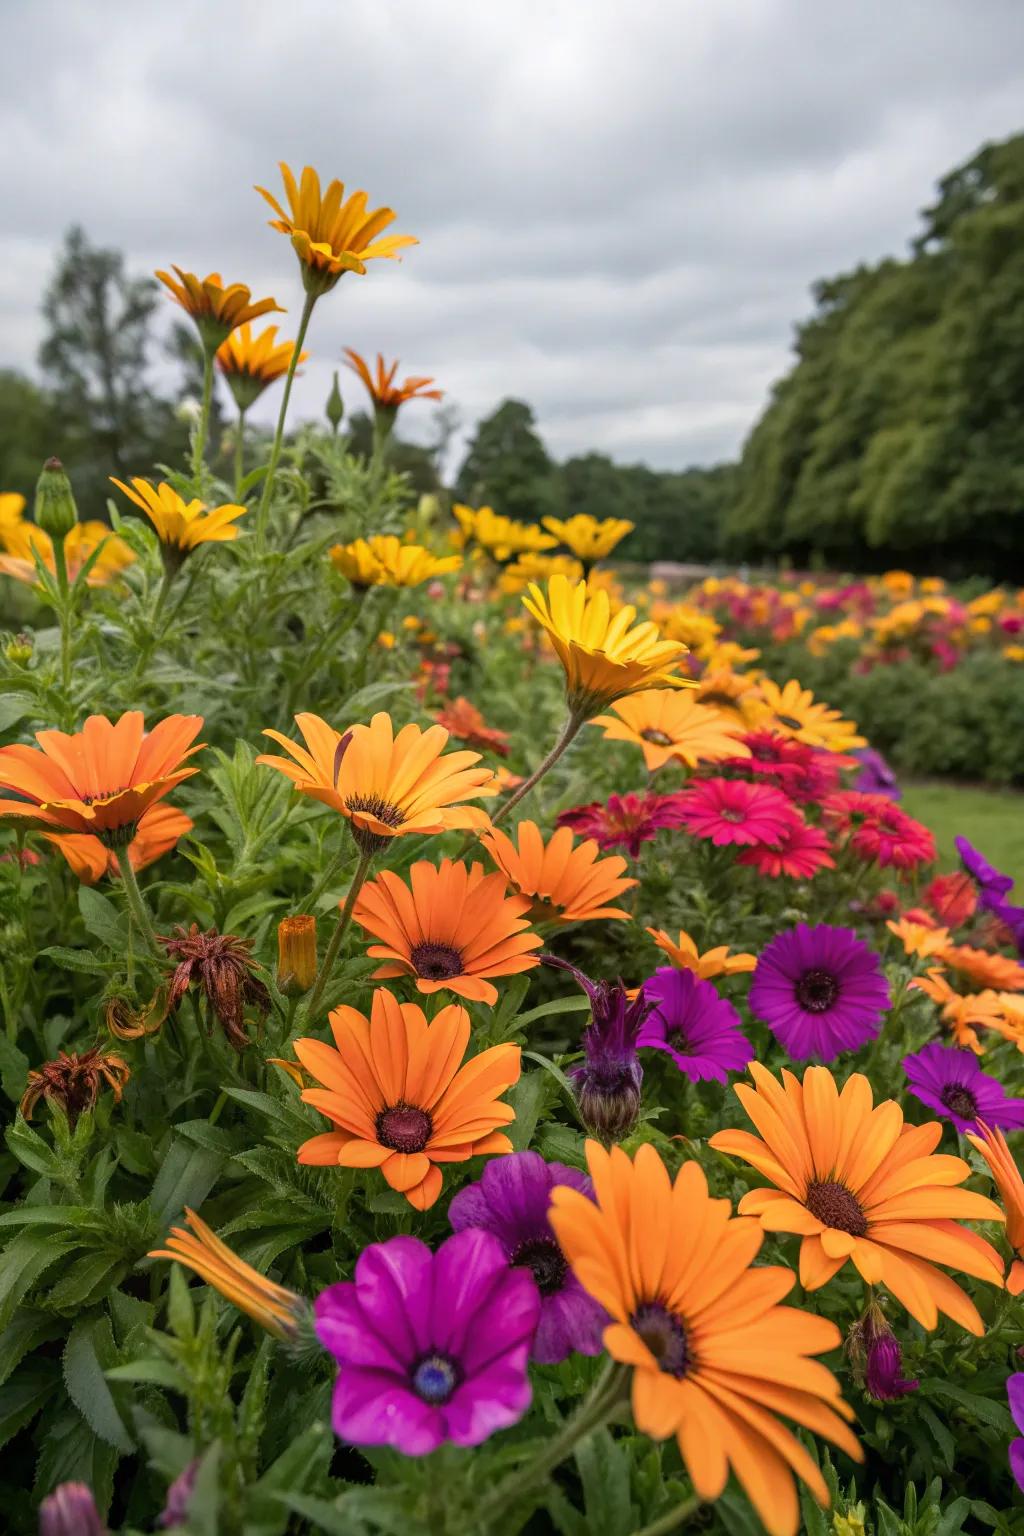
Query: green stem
161	598
199	443
60	566
569	730
321	885
239	454
344	918
136	905
597	1407
671	1520
275	452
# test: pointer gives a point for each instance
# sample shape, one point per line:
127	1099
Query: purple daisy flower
991	880
511	1200
607	1082
431	1346
692	1024
1015	1392
951	1082
875	776
820	990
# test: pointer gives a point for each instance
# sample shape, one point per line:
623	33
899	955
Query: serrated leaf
982	1408
296	1467
13	1069
187	1175
25	1332
102	919
87	1280
21	1265
24	1395
76	960
72	1453
88	1353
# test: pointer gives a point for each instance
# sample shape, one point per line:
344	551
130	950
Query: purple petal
490	1401
1017	1462
394	1290
376	1408
570	1320
508	1320
467	1270
344	1328
1015	1393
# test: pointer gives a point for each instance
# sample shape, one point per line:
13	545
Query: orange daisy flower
961	1012
386	395
734	695
329	233
919	939
983	968
102	778
19	538
451	927
716	1359
252	362
685	956
797	714
464	721
157	832
216	309
276	1309
856	1183
386	785
676	726
565	884
403	1097
181	526
1006	1177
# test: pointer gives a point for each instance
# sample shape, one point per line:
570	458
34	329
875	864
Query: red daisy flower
952	898
733	812
877	830
626	821
802	852
806	773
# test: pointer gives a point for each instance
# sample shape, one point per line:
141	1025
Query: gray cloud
620	207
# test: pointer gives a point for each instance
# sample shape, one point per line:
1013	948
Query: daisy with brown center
856	1183
387	784
685	956
716	1360
564	883
1006	1177
402	1096
451	927
795	712
673	727
734	694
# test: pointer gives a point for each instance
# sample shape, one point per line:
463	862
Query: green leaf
559	1077
981	1408
204	1500
13	1069
87	1280
557	1005
22	1397
76	960
327	1519
297	1467
22	1263
156	1372
31	1150
88	1353
187	1175
527	1098
25	1332
943	1439
72	1453
102	919
14	708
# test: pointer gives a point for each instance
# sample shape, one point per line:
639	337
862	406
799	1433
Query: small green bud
18	649
55	510
335	407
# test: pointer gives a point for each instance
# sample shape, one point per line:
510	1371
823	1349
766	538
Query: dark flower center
543	1257
659	738
665	1337
816	990
790	722
404	1128
833	1204
715	696
679	1041
384	810
436	962
960	1100
434	1378
736	817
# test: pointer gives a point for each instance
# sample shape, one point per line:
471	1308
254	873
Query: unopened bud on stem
55	510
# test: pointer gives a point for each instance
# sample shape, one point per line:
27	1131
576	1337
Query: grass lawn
992	819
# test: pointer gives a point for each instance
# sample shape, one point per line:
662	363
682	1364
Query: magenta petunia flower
951	1082
430	1346
1015	1393
820	990
802	852
626	821
734	812
511	1200
692	1024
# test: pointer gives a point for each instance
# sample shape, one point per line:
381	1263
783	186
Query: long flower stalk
569	731
199	442
275	452
344	919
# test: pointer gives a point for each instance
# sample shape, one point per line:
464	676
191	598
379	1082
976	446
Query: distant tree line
897	435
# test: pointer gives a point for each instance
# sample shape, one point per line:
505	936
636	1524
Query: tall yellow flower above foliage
588	539
181	526
331	234
605	656
216	307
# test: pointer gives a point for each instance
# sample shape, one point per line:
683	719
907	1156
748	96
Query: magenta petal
377	1408
1015	1393
344	1328
393	1281
467	1269
1017	1462
514	1311
490	1401
570	1320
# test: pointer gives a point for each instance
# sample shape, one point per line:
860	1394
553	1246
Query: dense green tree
27	432
507	466
898	434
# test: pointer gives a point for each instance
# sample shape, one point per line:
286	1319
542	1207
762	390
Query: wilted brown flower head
222	966
74	1082
128	1022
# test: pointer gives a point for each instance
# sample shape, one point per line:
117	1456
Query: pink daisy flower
625	821
802	852
878	831
732	812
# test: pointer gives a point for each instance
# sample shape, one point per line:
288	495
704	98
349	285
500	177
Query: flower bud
609	1100
175	1510
70	1511
335	407
55	510
296	954
18	649
878	1357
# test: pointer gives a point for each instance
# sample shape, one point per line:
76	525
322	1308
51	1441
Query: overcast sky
621	204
